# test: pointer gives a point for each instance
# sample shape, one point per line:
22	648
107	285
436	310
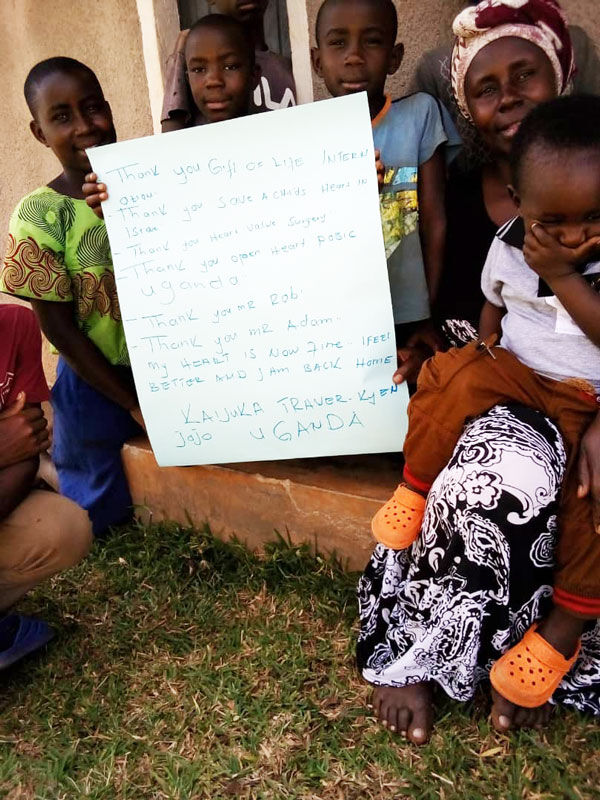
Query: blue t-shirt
407	131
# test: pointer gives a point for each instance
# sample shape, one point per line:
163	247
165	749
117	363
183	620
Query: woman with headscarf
432	71
527	47
508	57
480	574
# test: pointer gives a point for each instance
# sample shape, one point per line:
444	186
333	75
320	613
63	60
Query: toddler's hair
50	66
386	5
229	25
569	123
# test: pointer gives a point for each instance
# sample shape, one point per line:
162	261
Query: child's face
244	10
506	79
356	51
71	115
561	190
219	73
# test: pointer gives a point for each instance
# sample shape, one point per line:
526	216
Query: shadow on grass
168	550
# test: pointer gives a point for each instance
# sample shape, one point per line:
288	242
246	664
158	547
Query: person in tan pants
41	533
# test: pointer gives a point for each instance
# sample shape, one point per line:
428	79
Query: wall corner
159	25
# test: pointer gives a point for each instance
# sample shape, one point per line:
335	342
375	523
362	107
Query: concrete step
324	502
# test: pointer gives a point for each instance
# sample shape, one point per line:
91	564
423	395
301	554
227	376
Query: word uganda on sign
253	287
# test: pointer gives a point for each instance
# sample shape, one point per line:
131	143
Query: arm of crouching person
23	436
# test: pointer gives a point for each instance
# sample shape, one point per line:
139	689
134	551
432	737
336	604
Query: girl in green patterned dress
58	258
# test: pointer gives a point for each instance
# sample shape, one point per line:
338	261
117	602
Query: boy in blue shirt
356	51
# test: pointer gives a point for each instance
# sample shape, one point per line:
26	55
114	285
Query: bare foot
507	716
407	709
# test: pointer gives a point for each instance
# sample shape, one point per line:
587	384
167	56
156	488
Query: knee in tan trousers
45	534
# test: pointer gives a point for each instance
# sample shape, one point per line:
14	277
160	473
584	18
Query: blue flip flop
28	634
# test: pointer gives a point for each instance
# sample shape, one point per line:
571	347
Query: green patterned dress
58	250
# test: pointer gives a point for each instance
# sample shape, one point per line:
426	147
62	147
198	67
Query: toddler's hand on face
380	168
550	259
95	193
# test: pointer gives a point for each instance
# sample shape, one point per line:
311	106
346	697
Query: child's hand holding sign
95	193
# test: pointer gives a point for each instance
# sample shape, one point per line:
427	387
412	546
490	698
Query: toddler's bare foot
406	709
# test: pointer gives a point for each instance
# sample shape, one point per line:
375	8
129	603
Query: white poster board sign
252	280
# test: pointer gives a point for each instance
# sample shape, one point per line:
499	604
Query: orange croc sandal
398	523
529	673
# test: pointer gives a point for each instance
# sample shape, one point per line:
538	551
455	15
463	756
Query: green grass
188	668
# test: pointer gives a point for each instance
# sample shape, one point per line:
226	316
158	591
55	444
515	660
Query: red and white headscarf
541	22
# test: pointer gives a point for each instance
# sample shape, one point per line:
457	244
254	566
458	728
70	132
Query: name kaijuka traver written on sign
253	286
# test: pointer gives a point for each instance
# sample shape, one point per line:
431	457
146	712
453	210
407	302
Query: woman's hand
421	345
589	468
95	193
410	361
427	336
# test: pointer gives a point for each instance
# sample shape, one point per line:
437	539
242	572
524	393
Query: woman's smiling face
506	79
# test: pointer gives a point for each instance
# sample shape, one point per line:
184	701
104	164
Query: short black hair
570	123
229	25
387	6
51	66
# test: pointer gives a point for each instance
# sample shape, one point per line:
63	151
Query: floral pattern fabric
480	573
58	250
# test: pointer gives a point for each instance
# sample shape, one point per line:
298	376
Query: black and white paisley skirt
480	573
